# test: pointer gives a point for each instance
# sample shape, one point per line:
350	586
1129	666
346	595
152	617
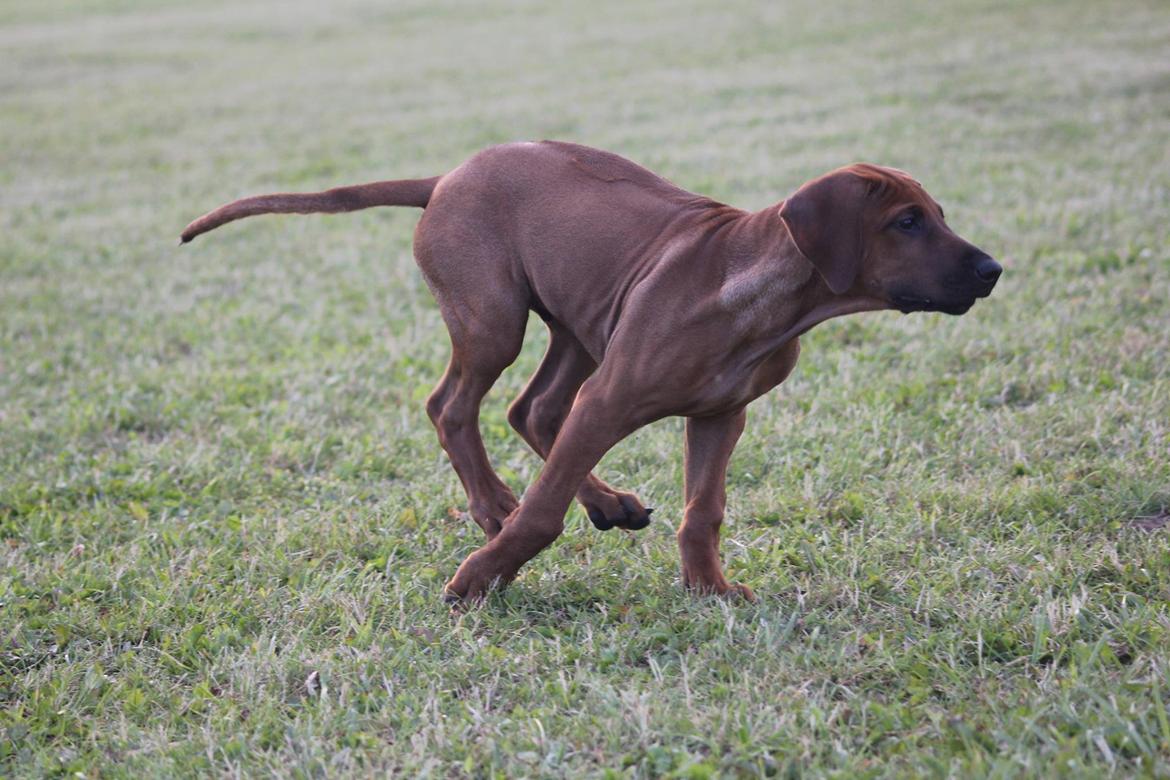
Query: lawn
226	521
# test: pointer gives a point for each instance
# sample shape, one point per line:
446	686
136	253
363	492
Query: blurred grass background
216	475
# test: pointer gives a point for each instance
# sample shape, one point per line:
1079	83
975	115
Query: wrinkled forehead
890	189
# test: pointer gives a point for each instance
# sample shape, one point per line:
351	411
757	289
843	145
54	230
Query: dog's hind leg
453	407
487	330
540	411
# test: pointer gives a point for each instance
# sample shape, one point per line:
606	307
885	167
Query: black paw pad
638	522
599	520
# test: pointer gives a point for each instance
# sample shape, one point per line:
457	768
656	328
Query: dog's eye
909	223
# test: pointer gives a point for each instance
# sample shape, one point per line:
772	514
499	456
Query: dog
659	302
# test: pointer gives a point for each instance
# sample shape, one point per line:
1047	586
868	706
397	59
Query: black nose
987	269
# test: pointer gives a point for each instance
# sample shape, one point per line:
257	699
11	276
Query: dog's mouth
911	303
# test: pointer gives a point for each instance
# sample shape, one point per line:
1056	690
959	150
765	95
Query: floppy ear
824	219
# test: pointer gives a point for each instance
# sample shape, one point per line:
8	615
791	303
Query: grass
217	480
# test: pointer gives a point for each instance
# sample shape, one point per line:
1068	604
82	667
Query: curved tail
402	192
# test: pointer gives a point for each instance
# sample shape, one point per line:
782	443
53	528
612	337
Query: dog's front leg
598	420
710	441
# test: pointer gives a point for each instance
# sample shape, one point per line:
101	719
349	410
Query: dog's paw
479	573
491	514
618	510
711	582
737	590
726	590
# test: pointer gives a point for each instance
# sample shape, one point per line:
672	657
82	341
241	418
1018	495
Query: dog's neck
779	290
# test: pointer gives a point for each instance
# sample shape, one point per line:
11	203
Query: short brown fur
658	302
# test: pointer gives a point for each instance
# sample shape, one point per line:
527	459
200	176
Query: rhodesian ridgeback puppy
658	302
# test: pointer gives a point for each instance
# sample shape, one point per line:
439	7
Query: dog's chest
734	384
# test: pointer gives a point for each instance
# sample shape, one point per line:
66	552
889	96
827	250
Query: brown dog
658	302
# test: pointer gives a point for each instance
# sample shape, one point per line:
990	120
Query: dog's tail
403	192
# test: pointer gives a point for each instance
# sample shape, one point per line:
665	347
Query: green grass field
217	479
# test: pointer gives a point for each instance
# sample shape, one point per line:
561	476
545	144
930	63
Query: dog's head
874	231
